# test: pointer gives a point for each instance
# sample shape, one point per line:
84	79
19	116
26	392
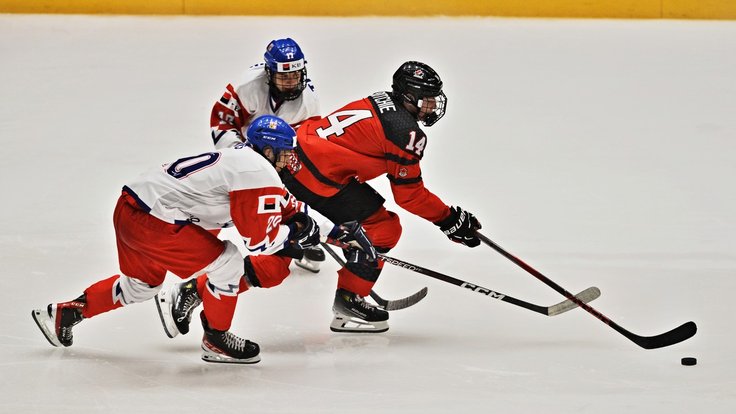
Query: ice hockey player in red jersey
162	223
278	86
365	139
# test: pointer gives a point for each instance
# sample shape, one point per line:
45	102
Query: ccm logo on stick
484	291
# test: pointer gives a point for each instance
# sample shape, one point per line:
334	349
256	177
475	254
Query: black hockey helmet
415	82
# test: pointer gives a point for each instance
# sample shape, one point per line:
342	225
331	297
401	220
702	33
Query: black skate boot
176	305
311	259
57	320
225	347
354	314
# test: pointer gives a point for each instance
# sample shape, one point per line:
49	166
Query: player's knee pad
359	265
266	271
128	290
224	273
383	228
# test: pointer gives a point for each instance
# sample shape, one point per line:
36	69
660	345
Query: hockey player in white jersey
278	86
177	303
163	222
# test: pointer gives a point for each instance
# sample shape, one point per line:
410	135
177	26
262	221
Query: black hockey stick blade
675	336
397	304
386	304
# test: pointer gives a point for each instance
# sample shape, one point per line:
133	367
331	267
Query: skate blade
342	323
163	304
43	320
210	356
308	265
314	254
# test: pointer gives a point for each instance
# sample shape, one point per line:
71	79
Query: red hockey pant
147	248
384	230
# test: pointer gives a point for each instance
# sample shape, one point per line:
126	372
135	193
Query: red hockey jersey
366	139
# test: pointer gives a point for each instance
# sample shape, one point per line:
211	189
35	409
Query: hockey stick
403	303
387	304
674	336
585	296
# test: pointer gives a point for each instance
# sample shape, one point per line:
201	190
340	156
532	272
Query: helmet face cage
272	132
414	82
284	56
440	102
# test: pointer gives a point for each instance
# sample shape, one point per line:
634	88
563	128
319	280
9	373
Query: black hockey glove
460	227
303	231
352	232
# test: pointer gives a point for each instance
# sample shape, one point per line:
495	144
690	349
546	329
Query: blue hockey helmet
416	84
284	56
268	131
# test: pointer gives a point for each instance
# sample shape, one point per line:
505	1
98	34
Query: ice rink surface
601	152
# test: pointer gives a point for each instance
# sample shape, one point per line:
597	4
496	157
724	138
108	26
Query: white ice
603	153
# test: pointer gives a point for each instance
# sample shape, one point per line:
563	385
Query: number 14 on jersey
343	119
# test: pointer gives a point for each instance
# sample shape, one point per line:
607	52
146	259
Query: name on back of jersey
383	101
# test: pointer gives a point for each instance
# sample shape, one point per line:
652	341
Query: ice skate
57	320
176	305
354	314
311	260
225	347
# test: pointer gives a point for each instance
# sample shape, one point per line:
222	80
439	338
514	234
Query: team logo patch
269	204
419	74
403	172
290	66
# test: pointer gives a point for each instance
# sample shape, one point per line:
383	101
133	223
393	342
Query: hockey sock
219	307
101	297
349	281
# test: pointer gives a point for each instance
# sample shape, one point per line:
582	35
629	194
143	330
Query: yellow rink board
649	9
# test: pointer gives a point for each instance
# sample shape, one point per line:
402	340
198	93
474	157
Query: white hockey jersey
232	186
233	112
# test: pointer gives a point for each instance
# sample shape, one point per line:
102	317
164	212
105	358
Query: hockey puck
689	361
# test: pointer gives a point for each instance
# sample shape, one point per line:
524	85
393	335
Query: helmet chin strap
413	109
269	154
420	105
